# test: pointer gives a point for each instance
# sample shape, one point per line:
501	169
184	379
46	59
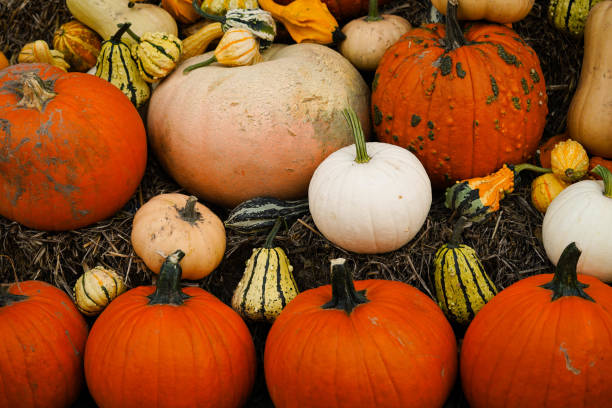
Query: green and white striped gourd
96	288
570	15
117	65
462	285
260	213
267	284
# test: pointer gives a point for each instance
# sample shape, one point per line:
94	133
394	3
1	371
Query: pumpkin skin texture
193	350
345	10
527	349
395	350
82	154
42	336
276	135
499	11
464	112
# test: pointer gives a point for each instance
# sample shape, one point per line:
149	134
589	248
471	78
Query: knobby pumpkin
465	102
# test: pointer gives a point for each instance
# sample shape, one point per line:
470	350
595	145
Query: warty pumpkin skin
228	134
42	337
70	160
463	108
169	347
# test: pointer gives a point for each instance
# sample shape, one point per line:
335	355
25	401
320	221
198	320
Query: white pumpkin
582	213
369	197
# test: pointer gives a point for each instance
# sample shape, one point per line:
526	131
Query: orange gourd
169	347
371	343
345	10
3	61
42	338
594	161
542	342
74	147
465	102
181	10
544	189
569	161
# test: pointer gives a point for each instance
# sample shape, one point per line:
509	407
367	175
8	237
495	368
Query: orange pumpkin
167	346
542	342
3	60
73	147
42	338
464	102
345	10
372	343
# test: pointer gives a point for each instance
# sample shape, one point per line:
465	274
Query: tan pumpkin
39	51
96	288
544	189
569	161
589	118
499	11
168	222
79	44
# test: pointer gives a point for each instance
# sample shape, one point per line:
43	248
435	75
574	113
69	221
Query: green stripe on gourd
570	15
260	213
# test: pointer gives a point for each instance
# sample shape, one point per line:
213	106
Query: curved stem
200	64
35	92
123	27
453	38
373	14
458	228
131	33
7	299
273	232
168	289
526	166
565	281
201	12
344	295
189	212
360	143
605	174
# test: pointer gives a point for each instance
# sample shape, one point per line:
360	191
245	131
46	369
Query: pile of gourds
273	132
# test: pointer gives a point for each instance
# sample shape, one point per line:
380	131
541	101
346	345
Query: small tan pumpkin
569	161
39	51
79	44
96	288
168	222
544	189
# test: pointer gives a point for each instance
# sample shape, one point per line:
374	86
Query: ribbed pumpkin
371	343
73	147
542	342
79	44
464	102
42	338
169	347
345	10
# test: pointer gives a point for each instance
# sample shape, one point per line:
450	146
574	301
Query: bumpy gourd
569	161
96	288
117	65
39	51
79	44
544	189
267	284
156	54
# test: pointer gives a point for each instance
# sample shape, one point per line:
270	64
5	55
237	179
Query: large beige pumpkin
227	134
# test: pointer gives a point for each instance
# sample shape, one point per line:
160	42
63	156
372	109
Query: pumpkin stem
189	212
453	38
130	32
200	64
201	12
168	289
526	166
131	4
344	295
565	280
123	28
35	91
272	233
360	143
458	228
606	175
7	299
373	14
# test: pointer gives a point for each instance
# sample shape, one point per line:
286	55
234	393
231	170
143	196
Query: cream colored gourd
582	213
168	222
228	134
372	201
96	288
102	16
499	11
589	118
367	38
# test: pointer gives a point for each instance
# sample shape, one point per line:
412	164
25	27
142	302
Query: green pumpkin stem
360	143
606	175
35	92
565	280
130	32
526	166
168	289
7	299
200	64
344	295
455	239
272	233
373	14
189	212
123	28
454	37
213	17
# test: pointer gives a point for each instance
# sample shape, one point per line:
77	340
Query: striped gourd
260	213
267	284
570	15
117	65
96	288
79	44
461	283
221	7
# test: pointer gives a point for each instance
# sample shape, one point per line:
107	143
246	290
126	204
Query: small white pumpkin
582	213
369	197
96	288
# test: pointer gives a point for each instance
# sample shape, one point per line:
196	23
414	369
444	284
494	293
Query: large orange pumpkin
464	102
42	338
169	347
72	147
542	342
345	10
372	343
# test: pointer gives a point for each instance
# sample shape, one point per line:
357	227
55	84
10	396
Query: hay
509	243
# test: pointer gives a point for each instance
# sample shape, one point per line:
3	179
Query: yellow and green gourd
96	288
462	285
117	65
267	284
570	15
